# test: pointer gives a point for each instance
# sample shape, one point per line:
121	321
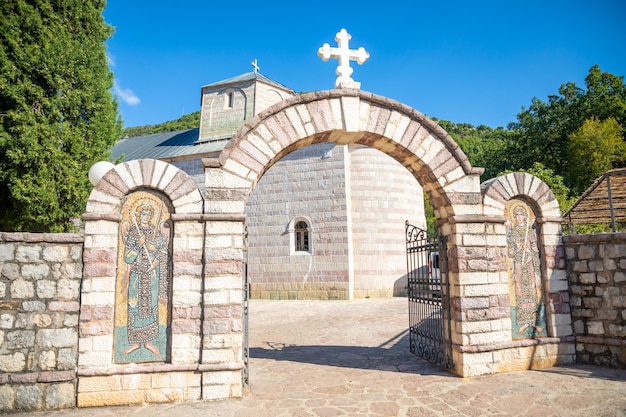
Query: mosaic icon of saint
146	256
526	270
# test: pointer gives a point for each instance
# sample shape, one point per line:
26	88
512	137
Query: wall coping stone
41	237
112	217
161	368
471	218
32	377
513	344
211	162
209	217
610	341
595	238
549	220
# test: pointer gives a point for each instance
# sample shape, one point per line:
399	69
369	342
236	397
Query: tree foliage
544	130
57	114
596	147
484	146
188	121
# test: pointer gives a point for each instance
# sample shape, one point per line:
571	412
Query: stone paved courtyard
350	358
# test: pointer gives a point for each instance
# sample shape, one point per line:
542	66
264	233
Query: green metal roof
165	145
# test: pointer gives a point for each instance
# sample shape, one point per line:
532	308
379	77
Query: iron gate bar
428	293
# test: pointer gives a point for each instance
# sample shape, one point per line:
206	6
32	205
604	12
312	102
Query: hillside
188	121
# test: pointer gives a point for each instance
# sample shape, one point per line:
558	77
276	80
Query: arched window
301	236
230	99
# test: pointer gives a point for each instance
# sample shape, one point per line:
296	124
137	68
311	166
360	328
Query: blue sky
475	62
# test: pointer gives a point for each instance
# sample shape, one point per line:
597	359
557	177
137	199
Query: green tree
57	113
543	131
484	146
595	148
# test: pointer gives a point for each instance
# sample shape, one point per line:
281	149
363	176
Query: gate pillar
479	291
489	269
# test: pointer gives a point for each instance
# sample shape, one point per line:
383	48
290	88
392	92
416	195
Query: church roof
248	76
165	145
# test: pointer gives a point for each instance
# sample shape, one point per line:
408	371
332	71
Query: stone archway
481	337
354	117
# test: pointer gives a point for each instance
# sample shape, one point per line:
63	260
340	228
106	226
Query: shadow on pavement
389	356
588	371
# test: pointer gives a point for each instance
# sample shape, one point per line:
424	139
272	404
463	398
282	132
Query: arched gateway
490	329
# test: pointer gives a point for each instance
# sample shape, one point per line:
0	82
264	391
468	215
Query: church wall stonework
306	184
267	95
218	120
352	195
193	167
383	196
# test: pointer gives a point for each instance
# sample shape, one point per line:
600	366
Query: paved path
350	358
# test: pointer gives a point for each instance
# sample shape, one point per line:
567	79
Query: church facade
324	222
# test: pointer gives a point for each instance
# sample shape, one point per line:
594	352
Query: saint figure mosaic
142	304
525	283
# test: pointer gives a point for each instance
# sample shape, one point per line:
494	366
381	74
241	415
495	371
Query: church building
324	222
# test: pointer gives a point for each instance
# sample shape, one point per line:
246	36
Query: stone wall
596	270
40	278
383	195
306	184
193	167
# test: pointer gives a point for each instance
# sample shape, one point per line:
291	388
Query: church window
230	100
301	237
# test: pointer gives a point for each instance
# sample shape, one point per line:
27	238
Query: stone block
28	253
10	270
59	396
7	398
22	289
110	383
588	278
88	360
595	328
215	392
13	363
108	398
56	253
28	398
57	338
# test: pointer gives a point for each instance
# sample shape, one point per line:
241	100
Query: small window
230	98
302	237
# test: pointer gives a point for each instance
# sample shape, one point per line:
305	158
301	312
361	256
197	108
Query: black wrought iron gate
428	293
245	312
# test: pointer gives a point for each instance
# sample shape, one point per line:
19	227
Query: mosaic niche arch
144	279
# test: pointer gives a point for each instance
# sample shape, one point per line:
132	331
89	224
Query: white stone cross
344	54
255	66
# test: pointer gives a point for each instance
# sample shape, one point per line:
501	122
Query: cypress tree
57	112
